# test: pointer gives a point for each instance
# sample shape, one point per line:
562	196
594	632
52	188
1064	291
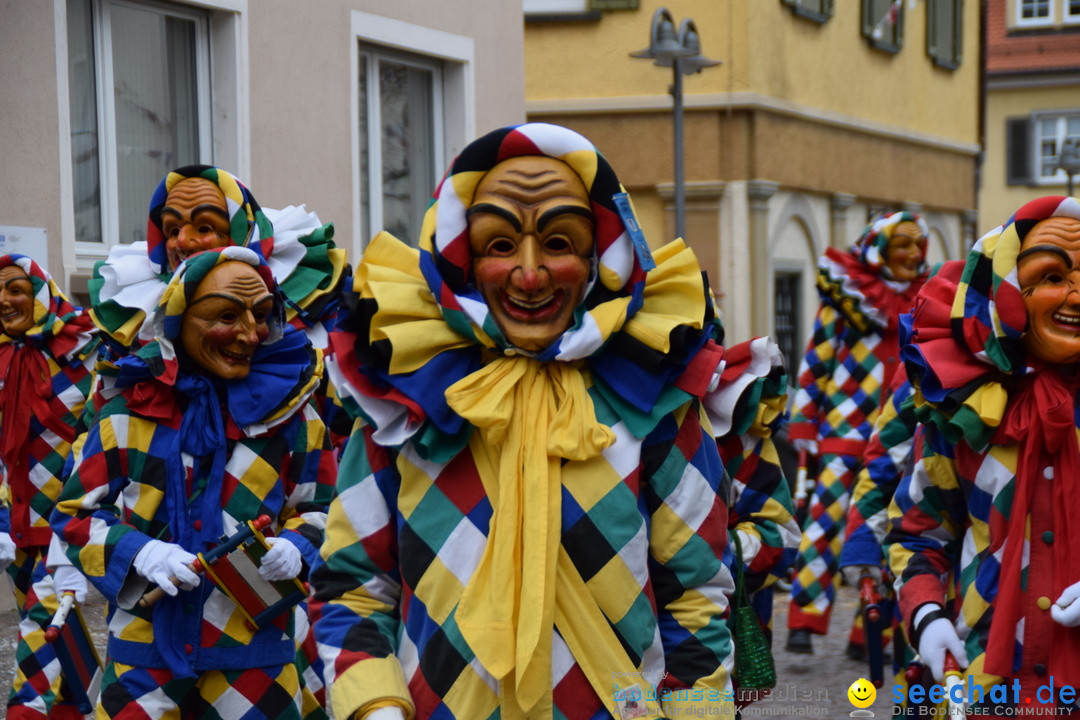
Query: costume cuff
924	615
918	591
367	682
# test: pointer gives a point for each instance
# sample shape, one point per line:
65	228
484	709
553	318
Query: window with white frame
1051	134
1072	11
1034	12
414	104
540	8
543	7
401	135
139	103
1033	147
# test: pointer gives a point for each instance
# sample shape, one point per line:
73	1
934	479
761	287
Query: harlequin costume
614	502
746	409
887	457
990	503
307	265
178	455
848	364
45	377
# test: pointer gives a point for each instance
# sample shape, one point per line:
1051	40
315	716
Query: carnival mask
906	251
226	320
195	218
16	301
1048	270
531	236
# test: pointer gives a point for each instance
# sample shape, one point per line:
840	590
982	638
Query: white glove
67	579
1066	609
390	712
282	561
854	573
7	550
810	446
162	562
936	638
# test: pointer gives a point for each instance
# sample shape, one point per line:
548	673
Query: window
139	103
816	10
414	108
1072	11
883	24
1051	134
787	287
400	101
575	7
1033	12
944	31
1033	145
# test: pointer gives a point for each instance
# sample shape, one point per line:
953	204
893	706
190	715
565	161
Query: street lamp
681	51
1069	160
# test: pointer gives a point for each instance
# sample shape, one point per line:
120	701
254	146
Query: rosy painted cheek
494	271
262	333
210	242
220	335
568	271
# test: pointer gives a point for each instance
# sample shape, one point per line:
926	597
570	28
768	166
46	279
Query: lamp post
680	50
1069	160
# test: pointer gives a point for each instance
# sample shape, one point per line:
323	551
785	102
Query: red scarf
27	389
1041	418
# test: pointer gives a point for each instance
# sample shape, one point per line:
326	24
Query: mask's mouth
530	310
1072	321
235	358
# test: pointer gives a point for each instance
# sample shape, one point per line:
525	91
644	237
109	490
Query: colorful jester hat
60	328
285	369
858	284
307	266
964	335
248	225
163	327
618	277
872	245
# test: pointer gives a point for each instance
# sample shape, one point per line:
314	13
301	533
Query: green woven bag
754	668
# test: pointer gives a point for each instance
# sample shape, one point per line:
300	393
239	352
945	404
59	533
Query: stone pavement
808	686
816	685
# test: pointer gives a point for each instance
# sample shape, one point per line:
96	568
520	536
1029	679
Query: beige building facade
352	107
820	115
1032	103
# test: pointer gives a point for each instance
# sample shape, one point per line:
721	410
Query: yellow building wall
765	49
998	200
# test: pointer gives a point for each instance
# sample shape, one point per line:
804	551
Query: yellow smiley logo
862	693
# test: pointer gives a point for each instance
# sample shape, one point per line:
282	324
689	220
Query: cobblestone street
816	685
807	685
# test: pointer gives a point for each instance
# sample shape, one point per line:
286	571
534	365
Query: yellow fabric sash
529	416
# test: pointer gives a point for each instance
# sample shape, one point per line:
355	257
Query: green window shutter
1018	151
612	4
881	34
944	32
817	10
